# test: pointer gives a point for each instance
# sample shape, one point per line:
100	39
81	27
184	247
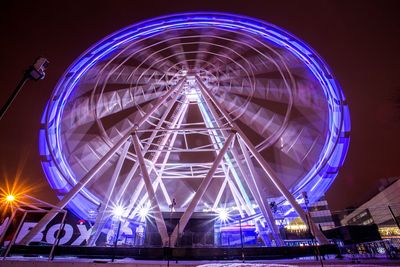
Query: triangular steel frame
234	140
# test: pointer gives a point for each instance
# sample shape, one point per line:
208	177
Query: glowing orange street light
10	198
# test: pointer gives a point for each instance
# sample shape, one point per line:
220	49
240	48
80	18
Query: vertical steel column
200	191
162	229
88	177
265	166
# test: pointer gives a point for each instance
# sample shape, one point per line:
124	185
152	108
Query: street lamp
35	72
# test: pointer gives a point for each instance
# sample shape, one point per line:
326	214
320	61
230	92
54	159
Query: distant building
376	210
321	214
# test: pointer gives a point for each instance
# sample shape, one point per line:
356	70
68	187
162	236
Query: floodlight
118	211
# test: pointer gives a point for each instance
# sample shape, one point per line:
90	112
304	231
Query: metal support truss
200	192
264	207
271	175
88	177
155	208
135	167
138	190
100	218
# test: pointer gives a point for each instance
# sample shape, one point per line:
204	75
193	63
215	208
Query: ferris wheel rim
49	112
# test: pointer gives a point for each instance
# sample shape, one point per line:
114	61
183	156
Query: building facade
378	210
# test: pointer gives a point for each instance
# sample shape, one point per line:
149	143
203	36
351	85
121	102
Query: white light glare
143	212
223	215
118	211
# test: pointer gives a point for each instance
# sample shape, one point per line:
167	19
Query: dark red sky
360	40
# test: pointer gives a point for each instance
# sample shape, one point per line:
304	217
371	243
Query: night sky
358	39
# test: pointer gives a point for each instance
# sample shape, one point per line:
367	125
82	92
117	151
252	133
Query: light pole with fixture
34	72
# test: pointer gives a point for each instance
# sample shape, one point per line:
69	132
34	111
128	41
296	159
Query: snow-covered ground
245	265
283	265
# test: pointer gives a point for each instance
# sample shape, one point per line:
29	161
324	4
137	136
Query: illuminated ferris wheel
194	113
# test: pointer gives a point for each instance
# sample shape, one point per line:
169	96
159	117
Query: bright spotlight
143	212
10	198
118	211
223	215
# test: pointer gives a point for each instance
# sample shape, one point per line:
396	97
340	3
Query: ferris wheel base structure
194	113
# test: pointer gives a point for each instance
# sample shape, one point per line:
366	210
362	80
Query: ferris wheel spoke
298	141
112	73
81	111
202	57
264	121
177	50
273	90
97	147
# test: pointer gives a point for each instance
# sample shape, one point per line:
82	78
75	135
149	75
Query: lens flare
10	198
118	211
223	215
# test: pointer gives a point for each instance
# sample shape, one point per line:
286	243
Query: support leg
88	177
271	175
162	229
200	192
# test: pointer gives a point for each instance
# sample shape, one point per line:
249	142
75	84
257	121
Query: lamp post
34	72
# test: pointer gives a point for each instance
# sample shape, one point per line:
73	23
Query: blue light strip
317	181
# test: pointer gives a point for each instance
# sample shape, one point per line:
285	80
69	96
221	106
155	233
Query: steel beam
162	229
264	205
200	192
242	196
88	177
131	173
139	188
100	220
265	209
271	175
239	201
